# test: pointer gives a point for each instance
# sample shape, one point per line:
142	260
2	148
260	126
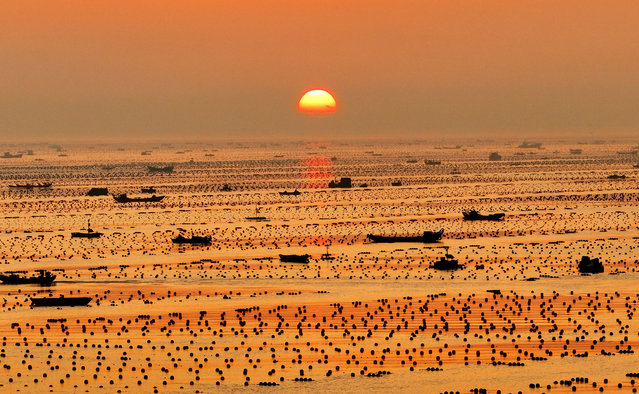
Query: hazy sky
220	69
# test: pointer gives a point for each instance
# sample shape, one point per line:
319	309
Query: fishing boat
60	301
295	258
474	215
8	155
344	183
154	169
86	234
123	198
426	237
293	193
44	278
447	263
195	239
98	191
148	190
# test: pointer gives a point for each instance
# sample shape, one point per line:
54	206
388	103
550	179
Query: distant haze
141	69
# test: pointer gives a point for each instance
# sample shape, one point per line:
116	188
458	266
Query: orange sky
157	69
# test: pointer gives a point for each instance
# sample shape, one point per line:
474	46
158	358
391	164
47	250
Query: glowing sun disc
317	101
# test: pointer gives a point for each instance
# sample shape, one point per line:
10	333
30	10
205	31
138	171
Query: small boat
226	188
44	278
256	218
432	162
426	237
616	176
293	193
98	191
327	255
590	266
149	190
474	215
123	198
31	185
295	258
195	239
396	183
86	234
344	183
60	301
447	263
8	155
166	169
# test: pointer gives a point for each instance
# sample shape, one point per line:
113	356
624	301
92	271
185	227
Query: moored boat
123	198
60	301
447	263
195	239
86	234
44	278
474	215
295	258
293	193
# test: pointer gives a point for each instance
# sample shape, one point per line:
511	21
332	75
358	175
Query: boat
293	193
31	185
195	239
530	145
616	176
327	255
344	183
474	215
123	198
149	190
494	156
8	155
87	234
432	162
60	301
98	191
226	188
256	217
426	237
447	263
44	278
166	169
396	183
590	266
295	258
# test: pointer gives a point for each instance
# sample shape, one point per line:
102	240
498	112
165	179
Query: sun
317	101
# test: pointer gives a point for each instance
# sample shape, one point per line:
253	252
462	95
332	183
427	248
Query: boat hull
60	301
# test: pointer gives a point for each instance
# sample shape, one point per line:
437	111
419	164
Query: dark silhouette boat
8	155
98	191
474	215
590	266
530	145
293	193
44	278
226	188
194	240
148	190
432	162
396	183
256	217
123	198
344	183
295	258
327	255
86	234
494	156
447	263
165	169
426	237
60	301
616	176
31	185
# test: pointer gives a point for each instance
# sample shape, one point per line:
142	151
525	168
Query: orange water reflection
317	171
